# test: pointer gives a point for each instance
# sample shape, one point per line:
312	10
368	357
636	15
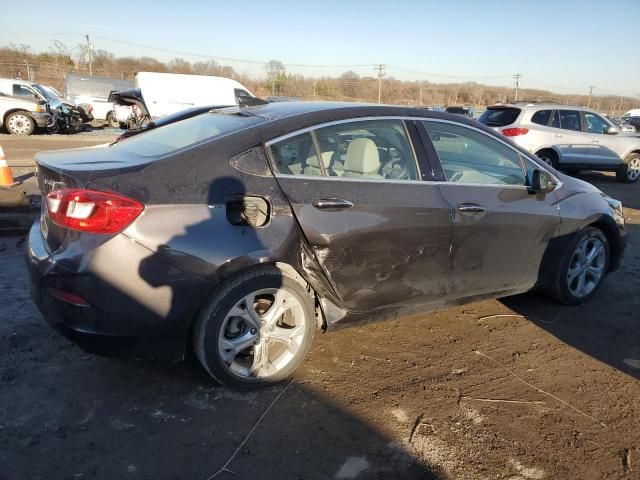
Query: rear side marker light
68	297
514	132
92	211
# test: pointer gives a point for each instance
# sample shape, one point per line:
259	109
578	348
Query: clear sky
559	45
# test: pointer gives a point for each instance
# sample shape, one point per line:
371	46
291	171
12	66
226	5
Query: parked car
458	110
239	232
94	91
166	93
23	107
633	123
635	112
566	137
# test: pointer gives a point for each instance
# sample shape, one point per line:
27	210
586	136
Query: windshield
499	117
48	95
167	139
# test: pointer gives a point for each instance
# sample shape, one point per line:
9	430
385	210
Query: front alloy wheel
256	330
583	268
586	267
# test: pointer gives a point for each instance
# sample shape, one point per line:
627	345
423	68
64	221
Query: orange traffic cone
6	179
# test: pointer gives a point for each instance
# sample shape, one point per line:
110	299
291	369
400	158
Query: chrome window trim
301	131
318	126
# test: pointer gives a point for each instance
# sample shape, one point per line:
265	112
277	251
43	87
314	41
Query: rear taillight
514	132
92	211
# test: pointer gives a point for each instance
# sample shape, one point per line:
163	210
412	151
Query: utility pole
380	68
591	87
89	53
516	78
621	105
420	87
28	70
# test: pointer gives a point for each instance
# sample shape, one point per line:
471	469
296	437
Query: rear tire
242	341
629	171
111	120
582	268
549	157
20	123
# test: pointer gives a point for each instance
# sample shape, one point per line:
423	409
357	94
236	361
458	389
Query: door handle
332	204
557	135
471	208
594	141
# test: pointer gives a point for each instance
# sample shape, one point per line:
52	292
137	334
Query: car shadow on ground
607	326
103	418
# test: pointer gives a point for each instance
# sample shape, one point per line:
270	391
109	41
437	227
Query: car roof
541	106
326	111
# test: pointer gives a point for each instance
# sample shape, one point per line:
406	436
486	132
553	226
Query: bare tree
275	70
180	65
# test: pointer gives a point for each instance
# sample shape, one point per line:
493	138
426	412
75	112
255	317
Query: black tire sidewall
210	321
111	121
32	124
561	287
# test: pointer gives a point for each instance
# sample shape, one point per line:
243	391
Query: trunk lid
64	169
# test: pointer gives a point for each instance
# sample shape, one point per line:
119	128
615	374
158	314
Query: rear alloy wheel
256	330
584	267
548	157
629	171
111	120
19	123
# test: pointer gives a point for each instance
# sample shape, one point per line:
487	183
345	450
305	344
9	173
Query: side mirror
613	130
541	182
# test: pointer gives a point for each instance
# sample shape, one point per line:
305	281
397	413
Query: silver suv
567	137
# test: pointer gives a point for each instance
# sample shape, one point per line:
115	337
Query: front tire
20	123
629	171
111	120
583	267
256	330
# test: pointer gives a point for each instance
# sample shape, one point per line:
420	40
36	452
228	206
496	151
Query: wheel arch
15	110
610	230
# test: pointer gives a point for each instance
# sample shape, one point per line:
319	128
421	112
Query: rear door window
296	156
371	149
541	117
570	120
499	117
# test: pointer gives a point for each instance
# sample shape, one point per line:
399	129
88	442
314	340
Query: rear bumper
139	306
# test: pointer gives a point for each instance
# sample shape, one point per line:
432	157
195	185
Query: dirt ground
541	391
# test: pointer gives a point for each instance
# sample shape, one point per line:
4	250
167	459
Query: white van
166	93
632	113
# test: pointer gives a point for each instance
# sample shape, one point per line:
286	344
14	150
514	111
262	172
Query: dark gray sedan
240	232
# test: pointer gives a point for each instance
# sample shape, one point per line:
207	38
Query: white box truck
166	93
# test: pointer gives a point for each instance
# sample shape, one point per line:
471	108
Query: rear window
167	139
457	110
499	117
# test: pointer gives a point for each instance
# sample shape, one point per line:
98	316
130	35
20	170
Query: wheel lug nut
253	331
